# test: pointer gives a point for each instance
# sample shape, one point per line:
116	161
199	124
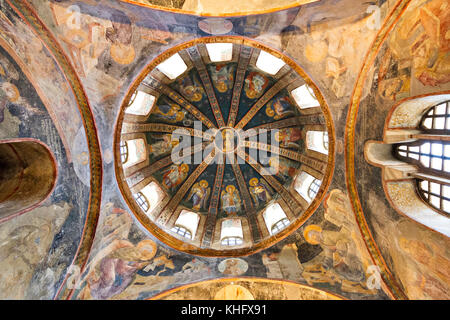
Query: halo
269	111
145	245
308	229
253	181
122	54
230	188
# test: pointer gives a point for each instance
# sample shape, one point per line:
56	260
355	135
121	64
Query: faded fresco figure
222	76
170	112
260	191
254	85
280	108
116	270
190	88
175	175
231	201
289	138
163	145
199	195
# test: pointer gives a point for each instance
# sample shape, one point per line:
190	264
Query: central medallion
227	140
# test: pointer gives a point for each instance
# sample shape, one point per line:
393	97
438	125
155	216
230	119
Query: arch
27	176
261	289
186	224
317	141
231	233
275	218
307	185
415	160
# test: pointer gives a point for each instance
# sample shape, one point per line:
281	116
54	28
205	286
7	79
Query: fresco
246	289
410	63
229	180
109	43
329	254
38	245
233	267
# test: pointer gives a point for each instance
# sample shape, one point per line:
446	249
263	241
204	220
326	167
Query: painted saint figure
255	83
222	76
231	201
190	88
175	175
170	112
260	191
282	167
199	195
279	108
164	145
339	262
289	138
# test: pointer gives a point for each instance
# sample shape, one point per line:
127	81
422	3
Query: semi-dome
223	146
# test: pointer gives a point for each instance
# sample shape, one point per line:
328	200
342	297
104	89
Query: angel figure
289	137
9	93
222	76
231	202
255	84
164	145
279	108
191	89
199	195
175	175
260	191
170	112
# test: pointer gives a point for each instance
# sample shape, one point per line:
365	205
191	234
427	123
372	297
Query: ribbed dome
222	147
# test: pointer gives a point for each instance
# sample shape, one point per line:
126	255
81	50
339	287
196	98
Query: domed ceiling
222	147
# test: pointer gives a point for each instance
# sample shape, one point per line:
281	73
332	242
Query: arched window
149	197
231	232
275	218
140	104
304	97
186	224
430	152
268	63
307	186
173	66
219	52
182	231
317	141
435	194
142	201
437	118
136	152
314	188
231	241
123	151
280	225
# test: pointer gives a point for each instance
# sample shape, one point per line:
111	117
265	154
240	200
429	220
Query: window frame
138	196
425	195
227	240
446	117
179	228
310	188
123	145
421	193
276	225
418	162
